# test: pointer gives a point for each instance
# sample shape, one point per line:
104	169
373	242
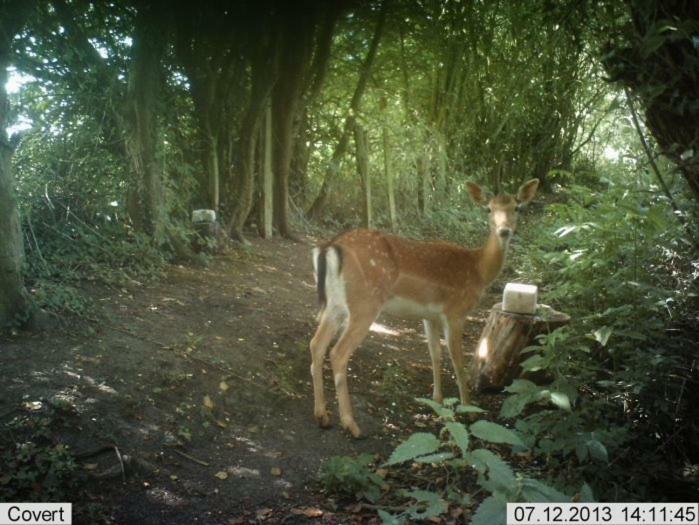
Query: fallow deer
362	273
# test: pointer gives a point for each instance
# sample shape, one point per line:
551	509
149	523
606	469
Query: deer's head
503	210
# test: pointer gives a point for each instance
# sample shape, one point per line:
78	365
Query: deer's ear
527	191
477	193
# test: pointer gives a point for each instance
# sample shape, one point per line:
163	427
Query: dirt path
212	363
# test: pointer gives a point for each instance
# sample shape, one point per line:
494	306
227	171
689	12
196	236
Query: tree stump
496	362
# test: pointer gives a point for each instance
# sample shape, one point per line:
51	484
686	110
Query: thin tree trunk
424	184
267	201
388	176
320	201
14	300
362	154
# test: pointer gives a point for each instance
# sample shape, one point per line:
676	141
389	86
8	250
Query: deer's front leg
454	331
435	346
319	346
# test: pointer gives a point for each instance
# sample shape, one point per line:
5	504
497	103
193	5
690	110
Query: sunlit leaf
418	444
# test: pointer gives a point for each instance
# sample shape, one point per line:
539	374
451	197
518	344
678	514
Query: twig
191	458
684	383
392	508
121	462
656	170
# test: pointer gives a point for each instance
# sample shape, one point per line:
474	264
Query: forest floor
188	399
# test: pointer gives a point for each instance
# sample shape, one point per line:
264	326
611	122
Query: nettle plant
459	447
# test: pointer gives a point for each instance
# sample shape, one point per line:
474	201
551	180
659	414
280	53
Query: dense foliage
126	116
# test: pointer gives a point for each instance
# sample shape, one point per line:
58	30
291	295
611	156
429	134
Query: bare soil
198	384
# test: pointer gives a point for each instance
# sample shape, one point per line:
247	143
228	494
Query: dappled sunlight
385	330
483	349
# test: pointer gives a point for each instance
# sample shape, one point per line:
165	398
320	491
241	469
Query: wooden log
496	362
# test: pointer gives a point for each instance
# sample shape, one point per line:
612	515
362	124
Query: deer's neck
492	258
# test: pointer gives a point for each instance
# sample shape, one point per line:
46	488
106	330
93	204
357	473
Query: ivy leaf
419	444
495	433
459	434
492	511
586	494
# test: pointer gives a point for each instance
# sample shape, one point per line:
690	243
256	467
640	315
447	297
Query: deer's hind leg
354	333
325	333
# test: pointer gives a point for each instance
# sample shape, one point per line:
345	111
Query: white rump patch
335	286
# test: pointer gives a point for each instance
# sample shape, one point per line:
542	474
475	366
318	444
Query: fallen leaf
208	403
223	386
263	514
309	512
221	424
221	474
90	466
173	477
276	471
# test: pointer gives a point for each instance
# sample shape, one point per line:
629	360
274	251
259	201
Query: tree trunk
424	188
263	66
14	301
388	176
320	201
145	199
497	358
266	201
285	102
362	153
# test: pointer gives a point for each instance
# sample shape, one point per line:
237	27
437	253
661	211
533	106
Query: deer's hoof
352	428
323	420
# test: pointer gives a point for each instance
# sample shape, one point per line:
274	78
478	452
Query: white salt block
203	216
519	298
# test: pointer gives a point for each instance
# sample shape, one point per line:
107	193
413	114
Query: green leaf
597	450
492	511
534	363
521	386
500	475
389	519
513	405
434	458
586	494
561	400
433	503
469	409
441	411
536	491
459	434
602	335
495	433
419	444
